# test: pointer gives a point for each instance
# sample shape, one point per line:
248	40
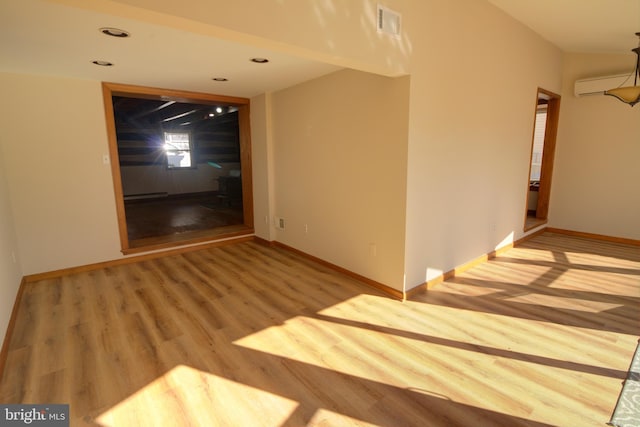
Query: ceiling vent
597	85
388	21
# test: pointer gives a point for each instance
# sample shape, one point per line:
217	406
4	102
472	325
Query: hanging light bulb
629	94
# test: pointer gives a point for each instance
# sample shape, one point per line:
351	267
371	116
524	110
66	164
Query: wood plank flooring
180	218
250	335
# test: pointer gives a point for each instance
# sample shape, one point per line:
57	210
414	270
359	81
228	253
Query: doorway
181	166
543	145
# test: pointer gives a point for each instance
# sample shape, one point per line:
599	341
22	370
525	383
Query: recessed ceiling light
103	63
114	32
259	60
219	110
220	79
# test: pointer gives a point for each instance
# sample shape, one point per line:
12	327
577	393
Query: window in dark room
178	150
181	166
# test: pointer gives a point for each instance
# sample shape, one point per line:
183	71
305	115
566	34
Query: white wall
473	95
53	139
595	183
10	270
339	167
160	179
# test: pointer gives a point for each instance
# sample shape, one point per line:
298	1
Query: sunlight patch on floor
419	362
462	328
470	289
527	253
325	417
187	396
581	258
599	282
564	303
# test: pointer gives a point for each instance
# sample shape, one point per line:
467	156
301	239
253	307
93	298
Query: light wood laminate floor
249	335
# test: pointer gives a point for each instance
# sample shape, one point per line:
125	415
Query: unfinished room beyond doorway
180	166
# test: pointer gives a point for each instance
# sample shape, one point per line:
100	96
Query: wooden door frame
548	157
115	89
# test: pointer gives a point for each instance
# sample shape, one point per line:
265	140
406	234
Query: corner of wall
262	165
10	269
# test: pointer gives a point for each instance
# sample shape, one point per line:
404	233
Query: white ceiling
592	26
32	42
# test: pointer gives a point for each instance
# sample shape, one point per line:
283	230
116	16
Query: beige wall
10	271
595	186
340	169
262	165
61	193
473	94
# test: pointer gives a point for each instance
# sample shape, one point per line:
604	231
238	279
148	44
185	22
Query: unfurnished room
319	213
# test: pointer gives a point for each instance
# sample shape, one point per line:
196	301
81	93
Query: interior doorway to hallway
543	146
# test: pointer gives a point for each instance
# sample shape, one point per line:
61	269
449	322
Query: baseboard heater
145	196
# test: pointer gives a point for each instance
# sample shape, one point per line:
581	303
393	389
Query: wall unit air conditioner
597	85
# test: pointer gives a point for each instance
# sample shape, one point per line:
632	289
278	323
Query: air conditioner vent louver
597	85
388	21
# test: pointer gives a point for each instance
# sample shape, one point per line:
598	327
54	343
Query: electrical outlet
279	223
105	159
